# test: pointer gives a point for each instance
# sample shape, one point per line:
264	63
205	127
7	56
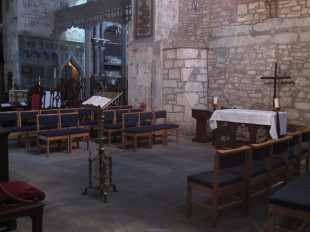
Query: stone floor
151	186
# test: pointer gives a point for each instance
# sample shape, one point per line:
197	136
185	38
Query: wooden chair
304	151
260	170
10	121
114	128
221	181
36	97
131	129
28	121
48	131
292	204
70	123
146	119
294	153
20	199
279	163
86	118
171	128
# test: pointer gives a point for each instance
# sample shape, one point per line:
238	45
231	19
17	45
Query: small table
251	118
202	133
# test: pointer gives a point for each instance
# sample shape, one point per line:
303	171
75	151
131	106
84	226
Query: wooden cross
275	78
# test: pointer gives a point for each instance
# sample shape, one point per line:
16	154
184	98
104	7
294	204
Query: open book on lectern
102	99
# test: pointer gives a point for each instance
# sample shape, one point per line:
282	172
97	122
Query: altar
247	123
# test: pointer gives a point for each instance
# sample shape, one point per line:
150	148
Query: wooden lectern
202	116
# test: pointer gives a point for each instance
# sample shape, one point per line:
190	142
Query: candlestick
54	73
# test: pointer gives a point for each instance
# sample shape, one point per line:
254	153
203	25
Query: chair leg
135	143
47	148
271	219
37	223
150	140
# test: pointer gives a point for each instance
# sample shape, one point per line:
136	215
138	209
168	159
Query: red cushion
22	190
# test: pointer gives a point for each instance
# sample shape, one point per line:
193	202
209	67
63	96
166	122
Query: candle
39	80
215	100
54	73
276	102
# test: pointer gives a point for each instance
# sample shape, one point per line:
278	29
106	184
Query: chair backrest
295	143
130	119
146	118
67	110
281	147
125	106
118	114
49	111
28	117
113	107
109	116
232	158
136	110
262	150
47	122
9	118
160	114
69	120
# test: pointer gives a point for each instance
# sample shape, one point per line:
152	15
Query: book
98	101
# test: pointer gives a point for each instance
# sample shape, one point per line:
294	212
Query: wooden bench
20	199
291	201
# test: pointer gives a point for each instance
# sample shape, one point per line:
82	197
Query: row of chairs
116	122
57	127
25	124
247	171
145	124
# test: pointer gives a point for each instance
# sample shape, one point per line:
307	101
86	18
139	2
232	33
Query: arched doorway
70	83
70	71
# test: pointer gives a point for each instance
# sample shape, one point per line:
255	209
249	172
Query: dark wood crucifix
275	78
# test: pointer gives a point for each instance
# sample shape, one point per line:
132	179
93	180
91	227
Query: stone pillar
88	60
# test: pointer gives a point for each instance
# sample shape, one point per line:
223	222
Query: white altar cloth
258	117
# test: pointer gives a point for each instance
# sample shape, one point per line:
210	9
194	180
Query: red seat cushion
22	190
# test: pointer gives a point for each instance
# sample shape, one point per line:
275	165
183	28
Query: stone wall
185	84
246	49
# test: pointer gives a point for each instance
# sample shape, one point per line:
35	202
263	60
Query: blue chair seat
15	129
77	131
30	127
292	196
157	127
206	178
53	133
138	130
113	126
171	126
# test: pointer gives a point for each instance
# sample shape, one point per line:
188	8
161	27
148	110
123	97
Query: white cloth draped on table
258	117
